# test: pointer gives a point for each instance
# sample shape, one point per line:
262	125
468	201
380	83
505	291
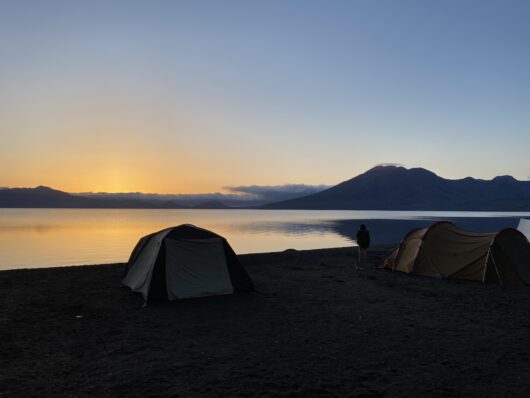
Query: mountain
211	204
398	188
45	197
40	197
380	188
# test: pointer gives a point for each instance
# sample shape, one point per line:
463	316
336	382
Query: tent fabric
184	262
524	227
445	251
510	257
140	271
196	268
407	255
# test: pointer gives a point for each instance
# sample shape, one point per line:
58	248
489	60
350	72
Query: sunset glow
184	97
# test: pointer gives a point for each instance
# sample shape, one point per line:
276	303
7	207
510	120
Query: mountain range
45	197
398	188
380	188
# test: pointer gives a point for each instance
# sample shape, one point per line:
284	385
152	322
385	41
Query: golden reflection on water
33	238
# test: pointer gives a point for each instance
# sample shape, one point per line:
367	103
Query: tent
445	251
184	262
524	227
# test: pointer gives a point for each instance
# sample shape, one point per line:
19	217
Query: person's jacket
363	239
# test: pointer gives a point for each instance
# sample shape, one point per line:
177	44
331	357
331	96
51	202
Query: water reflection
56	237
282	227
391	231
383	231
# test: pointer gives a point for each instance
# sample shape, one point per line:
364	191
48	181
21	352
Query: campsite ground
314	327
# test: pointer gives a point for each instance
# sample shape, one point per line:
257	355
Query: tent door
196	268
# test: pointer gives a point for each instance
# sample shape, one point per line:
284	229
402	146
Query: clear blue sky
192	96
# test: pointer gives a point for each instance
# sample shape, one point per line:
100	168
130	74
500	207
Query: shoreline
315	326
244	255
378	248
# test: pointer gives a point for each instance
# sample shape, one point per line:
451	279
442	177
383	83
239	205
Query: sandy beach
315	326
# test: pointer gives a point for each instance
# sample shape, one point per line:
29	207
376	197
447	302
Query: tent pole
496	270
486	265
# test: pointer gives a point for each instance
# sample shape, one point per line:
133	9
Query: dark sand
315	327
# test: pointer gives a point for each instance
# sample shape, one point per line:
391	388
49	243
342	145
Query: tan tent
446	251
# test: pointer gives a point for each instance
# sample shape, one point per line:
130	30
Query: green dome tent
184	262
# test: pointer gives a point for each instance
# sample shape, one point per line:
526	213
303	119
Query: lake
34	238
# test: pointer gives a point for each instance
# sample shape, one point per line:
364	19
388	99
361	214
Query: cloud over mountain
272	193
245	195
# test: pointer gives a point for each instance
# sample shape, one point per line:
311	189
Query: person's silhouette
363	241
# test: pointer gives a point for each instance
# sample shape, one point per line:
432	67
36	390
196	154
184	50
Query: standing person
363	241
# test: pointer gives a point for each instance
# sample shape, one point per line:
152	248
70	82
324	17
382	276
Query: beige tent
446	251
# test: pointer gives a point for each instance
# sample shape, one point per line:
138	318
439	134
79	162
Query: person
363	241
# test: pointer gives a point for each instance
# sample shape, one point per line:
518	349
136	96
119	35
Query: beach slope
315	326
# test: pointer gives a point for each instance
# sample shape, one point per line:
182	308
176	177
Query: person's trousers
362	255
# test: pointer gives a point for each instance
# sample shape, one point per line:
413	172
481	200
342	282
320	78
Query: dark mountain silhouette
45	197
212	204
40	197
380	188
51	198
398	188
171	204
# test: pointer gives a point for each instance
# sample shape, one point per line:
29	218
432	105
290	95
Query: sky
195	96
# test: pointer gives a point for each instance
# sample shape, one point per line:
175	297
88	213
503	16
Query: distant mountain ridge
380	188
398	188
211	204
45	197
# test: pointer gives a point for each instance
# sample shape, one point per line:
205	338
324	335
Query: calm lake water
33	238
